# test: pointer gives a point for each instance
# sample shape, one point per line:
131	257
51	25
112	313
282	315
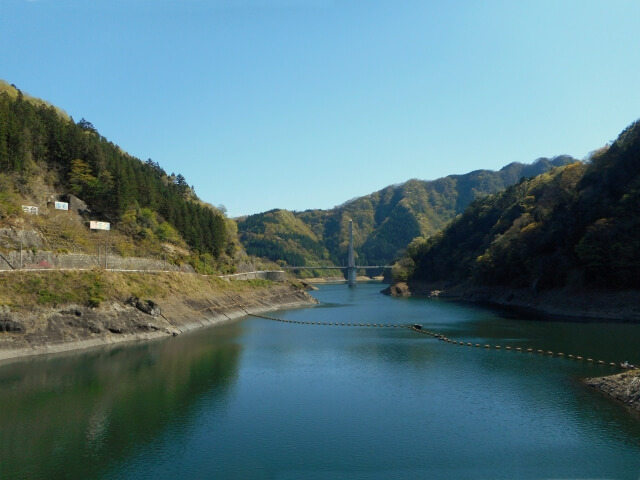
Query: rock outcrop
624	387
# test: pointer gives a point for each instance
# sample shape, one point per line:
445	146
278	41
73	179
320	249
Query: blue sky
299	104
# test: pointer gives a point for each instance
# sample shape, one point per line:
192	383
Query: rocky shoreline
73	327
607	305
623	387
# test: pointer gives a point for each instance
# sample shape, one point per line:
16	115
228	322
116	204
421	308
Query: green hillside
574	226
385	222
280	235
45	155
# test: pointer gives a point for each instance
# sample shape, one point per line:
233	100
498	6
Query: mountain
45	157
385	222
575	226
281	236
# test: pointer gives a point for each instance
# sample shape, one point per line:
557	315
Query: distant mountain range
553	222
385	222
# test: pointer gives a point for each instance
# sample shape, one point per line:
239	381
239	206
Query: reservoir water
259	399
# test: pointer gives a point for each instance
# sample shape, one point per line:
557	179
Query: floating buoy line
334	324
418	329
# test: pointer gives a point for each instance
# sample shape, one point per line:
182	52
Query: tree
81	178
86	125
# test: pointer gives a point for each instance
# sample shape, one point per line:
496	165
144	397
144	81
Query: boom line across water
418	329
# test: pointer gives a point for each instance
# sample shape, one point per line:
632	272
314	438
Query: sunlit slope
574	226
385	222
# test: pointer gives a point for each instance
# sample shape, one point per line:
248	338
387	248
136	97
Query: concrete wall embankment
273	275
43	260
49	260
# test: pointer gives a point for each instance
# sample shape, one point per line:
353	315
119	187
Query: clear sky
303	104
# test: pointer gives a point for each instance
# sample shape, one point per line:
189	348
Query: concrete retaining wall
49	260
78	261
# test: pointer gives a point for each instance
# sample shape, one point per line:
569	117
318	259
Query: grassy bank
24	291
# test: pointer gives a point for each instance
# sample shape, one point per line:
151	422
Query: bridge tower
351	264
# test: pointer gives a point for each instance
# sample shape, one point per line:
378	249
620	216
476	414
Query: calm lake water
258	399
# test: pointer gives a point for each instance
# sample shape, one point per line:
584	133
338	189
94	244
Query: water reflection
75	415
265	399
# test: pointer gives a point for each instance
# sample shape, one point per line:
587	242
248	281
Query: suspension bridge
351	268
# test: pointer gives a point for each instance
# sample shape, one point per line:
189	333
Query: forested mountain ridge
44	154
385	222
576	226
280	235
